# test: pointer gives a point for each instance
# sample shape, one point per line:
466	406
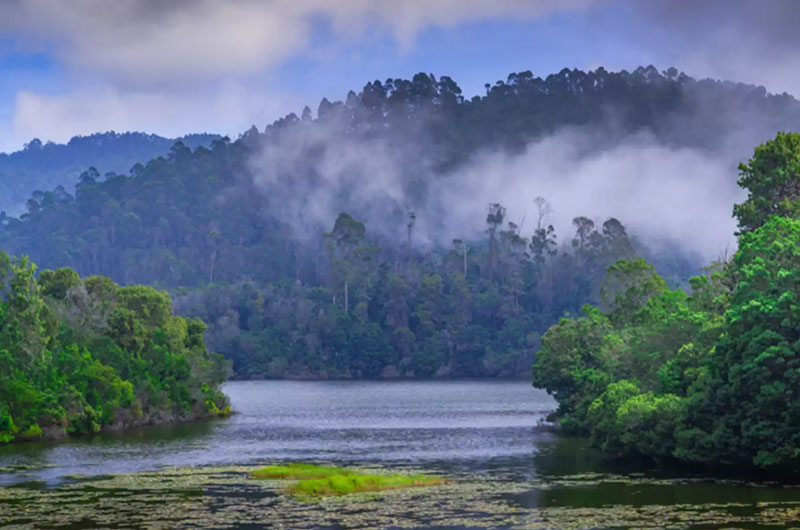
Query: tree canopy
51	166
710	377
80	355
236	230
772	179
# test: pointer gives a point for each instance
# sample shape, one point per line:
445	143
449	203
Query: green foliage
629	285
164	224
58	167
299	470
77	356
56	284
349	484
748	409
416	317
646	424
713	377
570	361
603	414
772	180
624	376
314	480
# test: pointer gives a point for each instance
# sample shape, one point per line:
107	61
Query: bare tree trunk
491	257
412	219
213	265
296	263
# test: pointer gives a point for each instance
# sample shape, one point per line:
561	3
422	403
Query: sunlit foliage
78	356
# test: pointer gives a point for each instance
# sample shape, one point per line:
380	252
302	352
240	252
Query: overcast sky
183	66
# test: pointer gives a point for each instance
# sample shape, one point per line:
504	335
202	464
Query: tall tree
346	240
494	219
462	249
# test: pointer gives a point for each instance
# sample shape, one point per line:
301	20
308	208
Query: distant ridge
45	166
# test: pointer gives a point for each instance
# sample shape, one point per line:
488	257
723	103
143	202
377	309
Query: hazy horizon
182	67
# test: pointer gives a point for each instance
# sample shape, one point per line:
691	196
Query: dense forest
477	309
81	355
705	377
251	235
47	166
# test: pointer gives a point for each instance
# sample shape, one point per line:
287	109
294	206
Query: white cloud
228	110
168	66
737	40
141	41
148	41
157	41
658	192
185	65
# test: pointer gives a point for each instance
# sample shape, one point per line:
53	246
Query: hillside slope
237	229
45	166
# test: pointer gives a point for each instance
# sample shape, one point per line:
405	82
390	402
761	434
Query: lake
507	468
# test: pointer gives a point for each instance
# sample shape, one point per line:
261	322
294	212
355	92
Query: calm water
466	422
489	435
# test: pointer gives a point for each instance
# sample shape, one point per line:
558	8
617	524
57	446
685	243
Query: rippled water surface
297	420
506	469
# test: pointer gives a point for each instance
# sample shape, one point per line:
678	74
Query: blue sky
71	68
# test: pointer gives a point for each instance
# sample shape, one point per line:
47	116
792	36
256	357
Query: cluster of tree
475	310
47	166
202	216
81	355
205	219
707	377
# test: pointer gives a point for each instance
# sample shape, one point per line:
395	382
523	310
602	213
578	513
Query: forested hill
706	376
44	166
400	285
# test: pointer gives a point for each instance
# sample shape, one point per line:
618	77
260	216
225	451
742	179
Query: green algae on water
299	471
228	497
316	480
353	483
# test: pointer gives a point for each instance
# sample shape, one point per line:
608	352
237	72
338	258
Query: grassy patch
298	471
353	483
315	481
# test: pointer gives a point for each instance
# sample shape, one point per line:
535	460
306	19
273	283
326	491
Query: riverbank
125	421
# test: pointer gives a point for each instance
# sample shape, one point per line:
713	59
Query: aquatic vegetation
347	484
21	468
227	497
298	471
316	480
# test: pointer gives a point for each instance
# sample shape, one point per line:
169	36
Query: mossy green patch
314	480
298	471
357	483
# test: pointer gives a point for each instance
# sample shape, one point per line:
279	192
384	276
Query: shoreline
57	434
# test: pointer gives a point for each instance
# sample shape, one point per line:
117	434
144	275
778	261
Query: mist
672	182
658	192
